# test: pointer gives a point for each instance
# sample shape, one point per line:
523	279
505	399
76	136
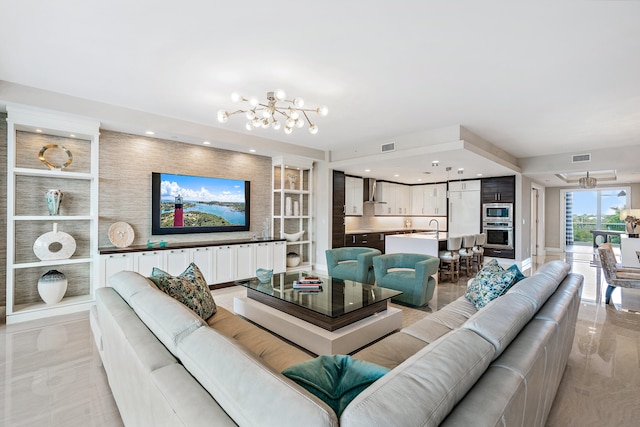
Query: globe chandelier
587	181
275	112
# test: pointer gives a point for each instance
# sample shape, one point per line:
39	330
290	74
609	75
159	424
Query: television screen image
184	204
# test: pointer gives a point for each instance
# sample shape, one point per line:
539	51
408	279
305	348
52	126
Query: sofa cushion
168	319
190	288
501	320
543	283
268	347
250	392
488	285
335	379
128	283
424	388
391	350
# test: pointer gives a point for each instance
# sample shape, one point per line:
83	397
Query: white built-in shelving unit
28	179
288	194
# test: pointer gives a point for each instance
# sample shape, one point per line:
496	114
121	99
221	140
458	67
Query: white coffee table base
315	339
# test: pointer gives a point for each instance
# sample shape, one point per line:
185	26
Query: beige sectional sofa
498	366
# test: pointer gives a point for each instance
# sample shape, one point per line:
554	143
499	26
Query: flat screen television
183	204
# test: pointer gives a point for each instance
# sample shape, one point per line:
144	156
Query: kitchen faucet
437	226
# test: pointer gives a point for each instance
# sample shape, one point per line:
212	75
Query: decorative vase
54	197
54	245
51	286
287	206
296	208
293	259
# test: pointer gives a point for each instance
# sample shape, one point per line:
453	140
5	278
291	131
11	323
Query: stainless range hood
370	191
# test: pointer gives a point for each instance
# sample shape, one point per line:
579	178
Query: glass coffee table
339	317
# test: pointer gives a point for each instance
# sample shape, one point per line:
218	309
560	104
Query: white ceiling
534	79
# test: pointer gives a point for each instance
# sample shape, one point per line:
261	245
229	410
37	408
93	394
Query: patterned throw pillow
490	283
190	288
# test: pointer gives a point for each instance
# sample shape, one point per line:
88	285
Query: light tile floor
51	373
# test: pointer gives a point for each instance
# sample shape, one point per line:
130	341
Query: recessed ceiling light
479	174
397	175
72	135
150	132
367	170
252	150
39	130
419	180
206	142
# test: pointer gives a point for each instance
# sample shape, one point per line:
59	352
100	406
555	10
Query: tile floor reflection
51	373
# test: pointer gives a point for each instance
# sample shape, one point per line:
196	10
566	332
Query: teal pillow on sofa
336	379
519	275
190	288
490	283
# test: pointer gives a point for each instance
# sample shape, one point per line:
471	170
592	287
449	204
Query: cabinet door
145	261
203	258
403	199
338	210
417	199
264	255
464	213
279	257
440	199
354	188
177	260
112	264
245	262
224	263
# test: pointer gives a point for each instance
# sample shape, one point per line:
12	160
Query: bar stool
450	259
466	253
478	251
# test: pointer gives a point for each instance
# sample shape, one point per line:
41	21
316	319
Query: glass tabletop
333	297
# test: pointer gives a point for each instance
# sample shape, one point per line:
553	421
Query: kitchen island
427	243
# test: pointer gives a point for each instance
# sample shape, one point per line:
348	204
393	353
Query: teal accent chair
409	273
352	263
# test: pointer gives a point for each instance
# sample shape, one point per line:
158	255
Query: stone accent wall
126	164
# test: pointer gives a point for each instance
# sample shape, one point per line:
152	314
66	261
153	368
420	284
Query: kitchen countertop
442	236
384	230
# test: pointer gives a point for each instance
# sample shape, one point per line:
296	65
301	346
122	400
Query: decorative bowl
264	275
293	259
293	237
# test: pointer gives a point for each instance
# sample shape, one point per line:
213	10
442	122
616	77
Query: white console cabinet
218	264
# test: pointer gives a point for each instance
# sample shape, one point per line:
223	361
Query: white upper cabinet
354	189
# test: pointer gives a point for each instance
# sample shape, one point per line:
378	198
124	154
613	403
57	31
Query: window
598	209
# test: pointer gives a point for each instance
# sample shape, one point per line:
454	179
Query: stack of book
308	284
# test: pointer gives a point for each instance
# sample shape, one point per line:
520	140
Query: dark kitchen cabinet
373	240
338	220
501	189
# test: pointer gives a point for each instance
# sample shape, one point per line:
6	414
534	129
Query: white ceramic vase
52	286
54	245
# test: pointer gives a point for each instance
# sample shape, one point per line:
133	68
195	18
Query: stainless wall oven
499	235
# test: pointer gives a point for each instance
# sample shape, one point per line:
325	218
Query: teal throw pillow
190	288
519	275
336	379
489	284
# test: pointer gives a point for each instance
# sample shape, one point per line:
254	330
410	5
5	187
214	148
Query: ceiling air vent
387	147
580	158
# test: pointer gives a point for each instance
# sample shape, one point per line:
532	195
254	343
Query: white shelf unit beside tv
292	206
28	179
